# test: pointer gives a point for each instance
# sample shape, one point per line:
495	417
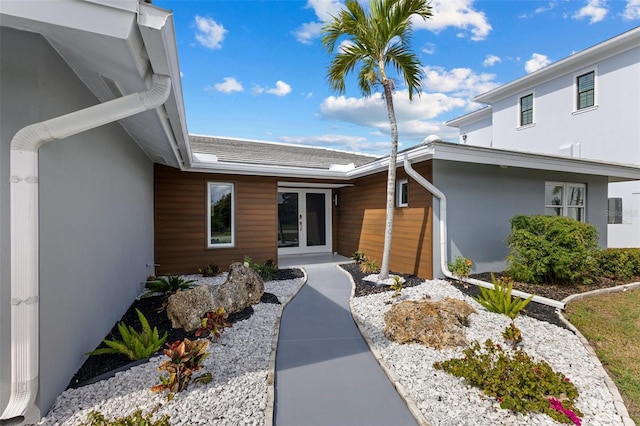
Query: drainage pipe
24	227
443	240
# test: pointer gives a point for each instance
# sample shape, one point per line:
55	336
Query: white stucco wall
482	199
609	132
96	215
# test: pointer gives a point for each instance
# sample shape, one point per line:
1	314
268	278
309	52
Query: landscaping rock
435	324
243	288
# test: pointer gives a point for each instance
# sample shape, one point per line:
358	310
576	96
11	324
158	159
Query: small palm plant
135	345
499	299
169	284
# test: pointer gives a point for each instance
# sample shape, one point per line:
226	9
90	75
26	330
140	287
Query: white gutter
443	240
24	228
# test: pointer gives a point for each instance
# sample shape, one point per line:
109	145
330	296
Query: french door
304	221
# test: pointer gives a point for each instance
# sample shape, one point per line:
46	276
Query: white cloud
458	14
429	48
412	117
281	89
536	62
308	31
324	10
550	6
209	33
460	82
491	60
631	10
228	85
595	10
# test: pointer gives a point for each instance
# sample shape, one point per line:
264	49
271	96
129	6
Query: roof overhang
114	47
472	117
437	151
614	46
505	158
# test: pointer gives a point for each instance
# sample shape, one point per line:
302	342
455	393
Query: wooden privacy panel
361	222
181	220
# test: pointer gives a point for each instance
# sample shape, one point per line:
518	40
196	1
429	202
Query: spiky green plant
135	345
499	299
396	286
169	284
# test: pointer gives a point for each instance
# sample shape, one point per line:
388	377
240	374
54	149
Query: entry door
304	221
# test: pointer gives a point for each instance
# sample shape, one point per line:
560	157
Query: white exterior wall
609	132
478	133
96	215
482	199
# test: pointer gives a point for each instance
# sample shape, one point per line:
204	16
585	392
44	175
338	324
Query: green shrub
512	335
266	271
618	263
516	381
499	299
169	284
461	267
96	418
211	270
135	345
551	249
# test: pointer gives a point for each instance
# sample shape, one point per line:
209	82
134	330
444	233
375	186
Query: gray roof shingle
275	154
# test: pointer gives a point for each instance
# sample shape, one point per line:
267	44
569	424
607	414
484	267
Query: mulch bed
535	310
153	309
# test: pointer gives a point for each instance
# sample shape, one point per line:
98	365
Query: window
526	110
402	193
614	213
221	217
586	90
565	199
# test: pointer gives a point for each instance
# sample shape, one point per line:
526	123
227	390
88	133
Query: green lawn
611	323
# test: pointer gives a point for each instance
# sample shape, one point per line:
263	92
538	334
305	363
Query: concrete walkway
325	373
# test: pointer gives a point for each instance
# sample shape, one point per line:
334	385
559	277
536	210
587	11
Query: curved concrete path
325	373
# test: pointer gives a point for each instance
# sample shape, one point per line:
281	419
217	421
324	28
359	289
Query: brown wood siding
181	222
361	221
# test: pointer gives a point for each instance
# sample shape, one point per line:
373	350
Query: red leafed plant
186	356
213	324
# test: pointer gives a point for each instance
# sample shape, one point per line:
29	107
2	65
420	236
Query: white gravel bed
446	400
237	395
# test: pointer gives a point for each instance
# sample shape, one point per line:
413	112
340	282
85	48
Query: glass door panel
316	220
288	220
304	221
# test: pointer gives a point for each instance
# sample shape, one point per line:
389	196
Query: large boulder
243	288
435	324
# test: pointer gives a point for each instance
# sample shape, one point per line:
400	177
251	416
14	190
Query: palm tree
375	40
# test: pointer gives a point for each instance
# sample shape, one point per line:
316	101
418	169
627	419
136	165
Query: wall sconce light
464	138
335	199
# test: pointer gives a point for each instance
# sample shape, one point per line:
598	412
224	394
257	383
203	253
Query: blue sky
257	70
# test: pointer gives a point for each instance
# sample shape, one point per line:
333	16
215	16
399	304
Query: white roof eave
621	43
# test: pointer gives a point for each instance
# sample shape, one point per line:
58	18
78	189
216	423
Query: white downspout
24	227
443	239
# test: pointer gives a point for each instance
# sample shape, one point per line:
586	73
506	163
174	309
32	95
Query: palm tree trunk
391	182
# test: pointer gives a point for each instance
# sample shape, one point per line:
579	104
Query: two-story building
585	106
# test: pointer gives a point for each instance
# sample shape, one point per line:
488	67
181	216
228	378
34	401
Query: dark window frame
586	91
526	112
